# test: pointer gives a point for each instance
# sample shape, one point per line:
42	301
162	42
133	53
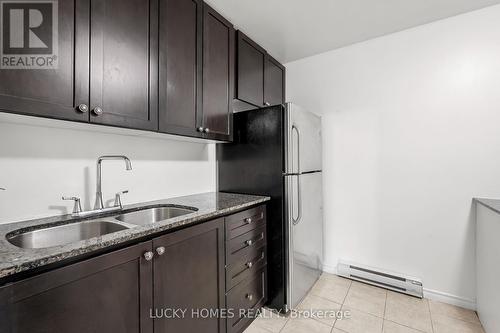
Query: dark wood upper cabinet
108	293
190	275
124	63
180	67
218	75
250	71
274	82
260	78
173	66
54	93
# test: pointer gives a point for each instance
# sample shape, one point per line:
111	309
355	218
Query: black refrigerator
277	152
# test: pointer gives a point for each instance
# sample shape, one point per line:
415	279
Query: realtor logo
28	34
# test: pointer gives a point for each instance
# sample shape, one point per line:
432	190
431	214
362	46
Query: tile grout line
286	322
430	314
345	297
412	328
385	309
348	290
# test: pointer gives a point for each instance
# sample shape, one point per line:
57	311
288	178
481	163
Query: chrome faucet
99	204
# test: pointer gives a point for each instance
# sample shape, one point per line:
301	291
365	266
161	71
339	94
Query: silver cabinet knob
248	220
267	104
97	111
249	242
249	264
249	297
206	130
83	108
200	129
160	250
148	255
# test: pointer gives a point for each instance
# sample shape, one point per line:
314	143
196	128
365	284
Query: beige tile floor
370	310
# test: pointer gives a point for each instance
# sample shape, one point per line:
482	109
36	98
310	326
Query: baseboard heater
388	280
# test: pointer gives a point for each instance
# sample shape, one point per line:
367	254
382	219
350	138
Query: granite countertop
493	204
210	205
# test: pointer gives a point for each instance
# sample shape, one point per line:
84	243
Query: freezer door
303	140
304	234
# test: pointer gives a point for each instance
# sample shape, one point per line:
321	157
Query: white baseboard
450	299
428	293
330	269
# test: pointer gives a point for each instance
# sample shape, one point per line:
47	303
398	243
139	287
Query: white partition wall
488	268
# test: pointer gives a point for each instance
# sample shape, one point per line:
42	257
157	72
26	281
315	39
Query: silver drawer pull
249	264
249	297
248	220
249	242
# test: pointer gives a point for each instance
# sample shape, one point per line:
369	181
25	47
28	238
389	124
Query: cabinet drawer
245	244
244	298
245	267
243	222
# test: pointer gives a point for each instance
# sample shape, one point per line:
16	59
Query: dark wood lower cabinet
246	266
189	276
109	293
179	288
246	298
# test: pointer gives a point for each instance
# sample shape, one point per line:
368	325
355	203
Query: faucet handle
77	208
118	198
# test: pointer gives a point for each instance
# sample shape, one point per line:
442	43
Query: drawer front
241	223
247	266
243	245
245	299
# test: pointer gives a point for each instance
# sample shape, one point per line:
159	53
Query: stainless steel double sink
78	231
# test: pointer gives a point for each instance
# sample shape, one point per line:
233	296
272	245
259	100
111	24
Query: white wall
411	125
41	160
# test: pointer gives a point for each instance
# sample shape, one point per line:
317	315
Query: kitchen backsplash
42	160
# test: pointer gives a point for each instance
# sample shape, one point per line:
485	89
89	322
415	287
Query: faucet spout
99	203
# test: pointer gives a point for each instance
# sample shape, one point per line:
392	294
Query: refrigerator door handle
294	127
296	221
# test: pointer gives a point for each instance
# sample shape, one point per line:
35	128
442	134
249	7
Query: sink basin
153	215
64	234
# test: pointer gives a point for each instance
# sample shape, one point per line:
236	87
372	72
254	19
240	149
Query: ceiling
294	29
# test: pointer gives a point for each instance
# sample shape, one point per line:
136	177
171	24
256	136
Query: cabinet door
124	57
189	275
274	82
180	66
54	93
218	75
109	293
250	71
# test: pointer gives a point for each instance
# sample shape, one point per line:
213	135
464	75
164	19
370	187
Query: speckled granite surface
493	204
210	205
